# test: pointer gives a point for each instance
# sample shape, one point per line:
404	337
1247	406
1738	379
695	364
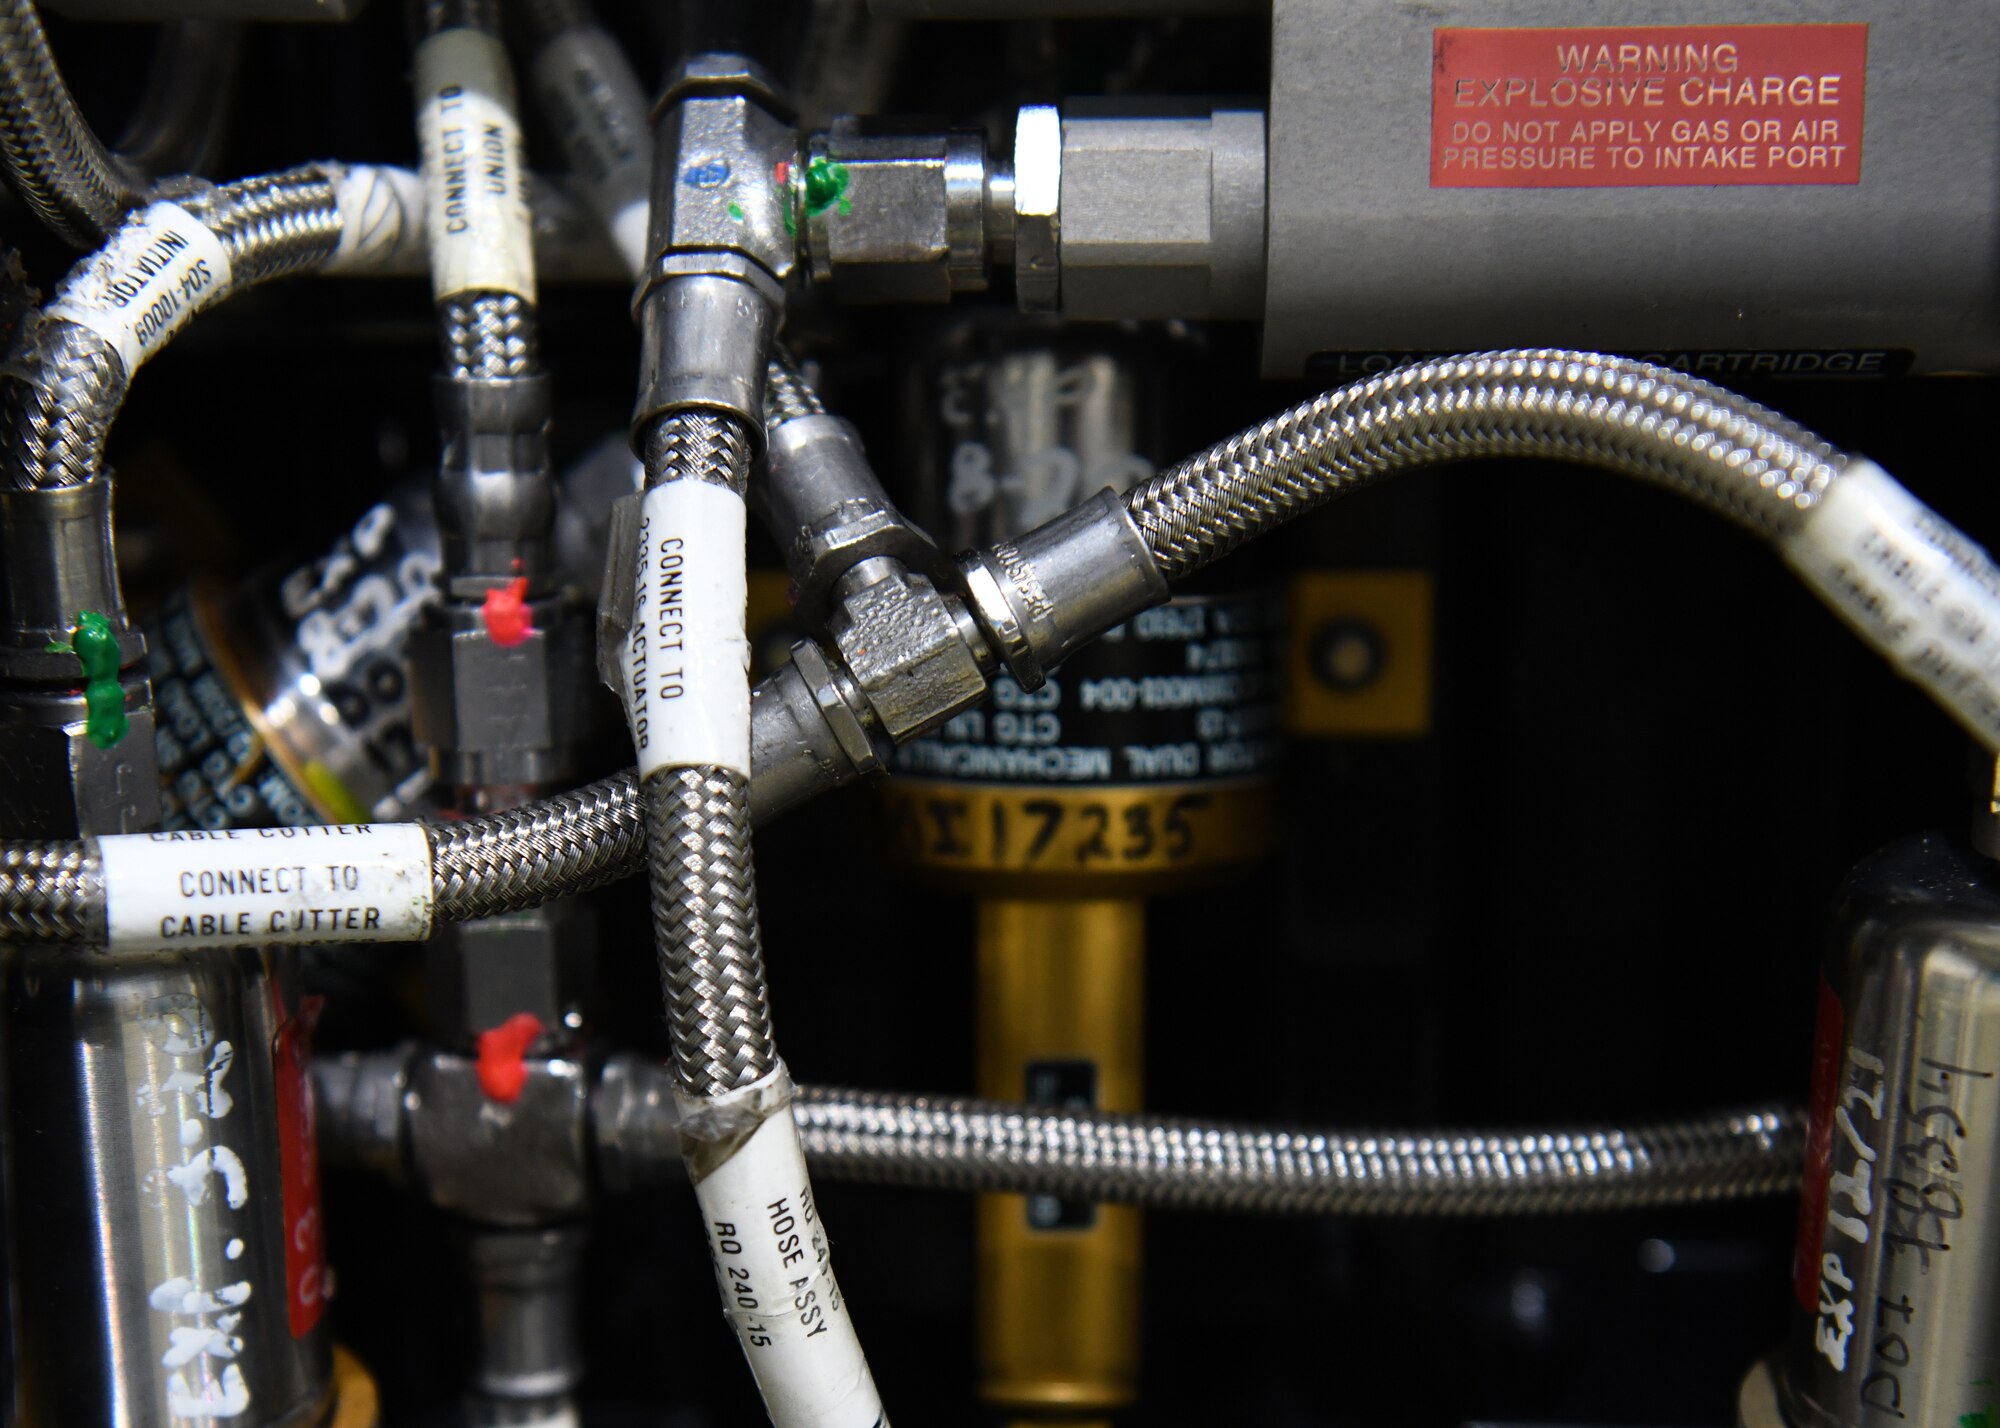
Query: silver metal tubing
52	158
952	1144
949	1143
1724	452
704	884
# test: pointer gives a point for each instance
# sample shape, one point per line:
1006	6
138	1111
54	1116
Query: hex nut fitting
898	211
1038	154
902	644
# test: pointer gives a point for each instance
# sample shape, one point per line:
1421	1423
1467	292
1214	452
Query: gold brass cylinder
1061	984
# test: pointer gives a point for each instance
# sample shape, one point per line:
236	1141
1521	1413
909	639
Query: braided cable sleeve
704	891
787	394
1731	455
488	334
64	386
952	1144
51	892
272	225
703	878
53	159
526	856
61	391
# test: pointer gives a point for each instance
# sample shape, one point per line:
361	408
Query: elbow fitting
1038	598
721	244
495	496
824	505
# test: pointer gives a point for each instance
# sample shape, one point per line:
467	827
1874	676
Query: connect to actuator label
687	659
330	883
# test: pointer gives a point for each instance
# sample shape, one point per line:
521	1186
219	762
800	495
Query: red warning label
1643	105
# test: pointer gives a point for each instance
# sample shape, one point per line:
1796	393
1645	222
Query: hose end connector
723	242
1038	598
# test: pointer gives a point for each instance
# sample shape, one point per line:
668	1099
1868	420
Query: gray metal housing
1365	257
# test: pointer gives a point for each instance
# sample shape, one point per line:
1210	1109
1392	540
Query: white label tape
381	217
774	1268
157	271
687	661
1912	585
589	91
475	184
360	882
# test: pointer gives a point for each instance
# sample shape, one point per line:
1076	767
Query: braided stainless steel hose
1723	451
51	892
1916	589
787	394
53	159
699	863
65	384
943	1143
488	335
523	857
483	333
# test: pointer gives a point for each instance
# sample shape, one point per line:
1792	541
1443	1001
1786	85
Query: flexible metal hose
53	160
1713	446
950	1144
51	892
522	857
704	886
488	335
481	334
64	386
787	394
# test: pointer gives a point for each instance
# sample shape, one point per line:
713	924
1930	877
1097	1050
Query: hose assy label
1638	106
1912	585
475	183
332	883
773	1263
687	661
143	286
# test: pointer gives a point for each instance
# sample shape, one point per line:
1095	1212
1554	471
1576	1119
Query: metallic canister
1897	1276
287	702
168	1244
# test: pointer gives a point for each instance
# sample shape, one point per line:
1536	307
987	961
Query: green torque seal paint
95	645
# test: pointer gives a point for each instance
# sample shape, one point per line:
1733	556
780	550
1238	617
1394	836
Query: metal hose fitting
943	1143
1718	449
53	159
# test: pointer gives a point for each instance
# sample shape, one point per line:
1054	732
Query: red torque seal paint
1819	1148
307	1283
505	612
501	1069
1632	106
